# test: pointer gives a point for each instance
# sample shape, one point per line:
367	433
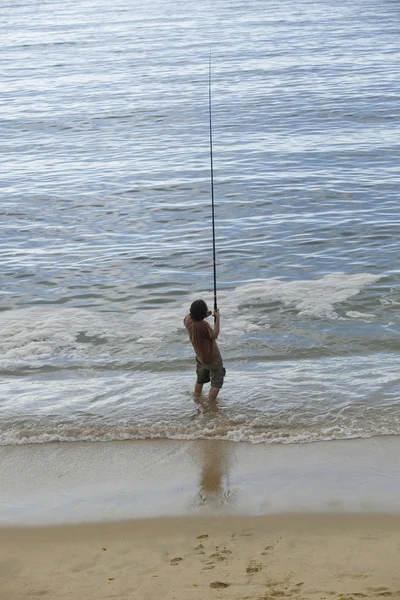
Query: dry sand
314	556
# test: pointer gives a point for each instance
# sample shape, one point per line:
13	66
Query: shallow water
105	218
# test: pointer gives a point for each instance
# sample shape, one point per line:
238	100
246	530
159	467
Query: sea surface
105	218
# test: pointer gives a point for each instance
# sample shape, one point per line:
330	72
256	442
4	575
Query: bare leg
198	388
213	393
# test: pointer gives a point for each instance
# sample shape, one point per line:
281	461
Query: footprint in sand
254	566
217	556
175	561
281	588
220	555
202	537
219	584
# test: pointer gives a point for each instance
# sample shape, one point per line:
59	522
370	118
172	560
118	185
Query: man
209	364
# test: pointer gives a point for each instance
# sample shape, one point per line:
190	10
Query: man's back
203	341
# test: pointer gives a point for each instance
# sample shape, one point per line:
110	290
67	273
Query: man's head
198	310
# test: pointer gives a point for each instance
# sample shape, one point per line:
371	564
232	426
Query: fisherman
209	365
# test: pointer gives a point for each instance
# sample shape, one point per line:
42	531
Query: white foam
353	314
37	334
249	432
315	297
34	334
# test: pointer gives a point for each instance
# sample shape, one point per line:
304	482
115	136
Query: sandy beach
207	519
321	557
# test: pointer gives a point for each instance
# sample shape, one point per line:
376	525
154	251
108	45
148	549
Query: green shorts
214	372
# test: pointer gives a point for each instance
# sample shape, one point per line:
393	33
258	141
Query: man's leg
213	393
203	376
217	379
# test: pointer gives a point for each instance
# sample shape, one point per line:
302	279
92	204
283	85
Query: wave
41	335
233	432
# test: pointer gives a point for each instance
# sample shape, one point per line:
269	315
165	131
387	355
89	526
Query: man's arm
187	320
216	324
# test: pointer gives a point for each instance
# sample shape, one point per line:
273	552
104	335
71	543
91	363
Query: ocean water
105	218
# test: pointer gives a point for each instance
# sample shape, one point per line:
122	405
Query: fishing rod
212	185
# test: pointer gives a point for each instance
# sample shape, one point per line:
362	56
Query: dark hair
198	310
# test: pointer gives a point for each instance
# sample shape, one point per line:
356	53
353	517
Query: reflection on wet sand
214	488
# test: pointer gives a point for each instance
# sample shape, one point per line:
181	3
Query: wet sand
79	482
